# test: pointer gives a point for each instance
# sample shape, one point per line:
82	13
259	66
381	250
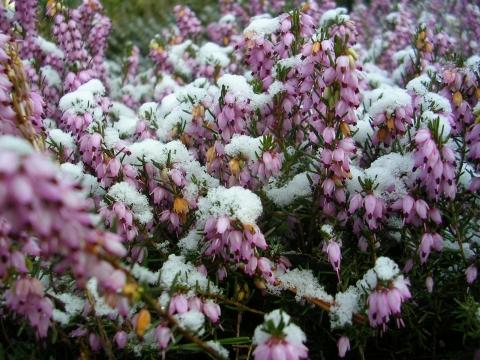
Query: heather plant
271	180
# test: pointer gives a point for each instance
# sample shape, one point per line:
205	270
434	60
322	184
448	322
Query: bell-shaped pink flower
343	345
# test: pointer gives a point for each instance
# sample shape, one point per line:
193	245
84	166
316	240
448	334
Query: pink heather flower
384	302
429	242
471	273
334	255
270	346
26	297
268	165
421	208
265	267
163	336
94	342
356	202
178	304
194	303
223	223
429	284
238	245
120	339
437	165
212	311
38	202
343	345
187	21
116	280
408	266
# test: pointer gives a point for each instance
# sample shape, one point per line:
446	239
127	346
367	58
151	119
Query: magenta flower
163	336
120	339
471	273
332	248
278	338
212	311
343	345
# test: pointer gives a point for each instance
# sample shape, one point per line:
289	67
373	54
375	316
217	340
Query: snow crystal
262	25
148	150
453	246
72	304
236	203
444	124
49	123
239	86
192	320
473	62
180	116
145	275
137	92
219	349
289	62
386	268
148	111
61	138
185	274
111	137
404	54
213	54
297	187
138	203
476	108
328	229
275	88
51	76
466	175
77	101
363	130
15	144
353	184
345	305
332	15
403	57
393	174
126	125
167	105
176	56
375	50
190	242
60	317
393	17
118	109
167	83
49	48
388	100
94	86
76	174
294	334
82	99
375	76
436	103
368	282
198	90
304	283
419	85
242	145
226	19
